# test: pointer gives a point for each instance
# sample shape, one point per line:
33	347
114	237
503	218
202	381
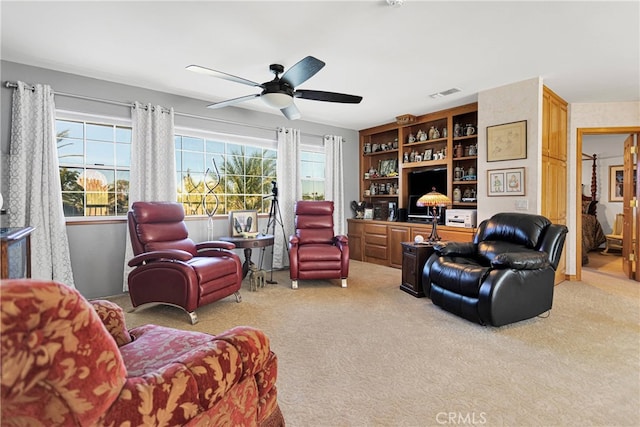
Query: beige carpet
372	355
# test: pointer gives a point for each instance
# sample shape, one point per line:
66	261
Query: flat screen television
422	182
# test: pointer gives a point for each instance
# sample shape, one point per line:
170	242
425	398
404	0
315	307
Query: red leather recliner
170	268
315	252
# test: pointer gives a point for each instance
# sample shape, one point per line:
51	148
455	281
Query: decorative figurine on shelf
422	135
457	130
436	133
470	130
459	150
358	209
457	194
411	138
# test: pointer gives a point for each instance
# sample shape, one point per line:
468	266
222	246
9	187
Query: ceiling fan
281	91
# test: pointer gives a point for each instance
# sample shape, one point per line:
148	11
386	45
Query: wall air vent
445	92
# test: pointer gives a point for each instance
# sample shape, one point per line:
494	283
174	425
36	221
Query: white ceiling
393	56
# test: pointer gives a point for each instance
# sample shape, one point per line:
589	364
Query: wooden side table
16	252
414	256
248	243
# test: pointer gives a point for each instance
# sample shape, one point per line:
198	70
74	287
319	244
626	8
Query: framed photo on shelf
507	141
243	223
505	182
616	183
388	166
368	213
428	154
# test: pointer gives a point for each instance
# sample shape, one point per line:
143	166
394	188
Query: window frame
320	149
99	119
225	138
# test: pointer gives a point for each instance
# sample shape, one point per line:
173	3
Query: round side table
248	244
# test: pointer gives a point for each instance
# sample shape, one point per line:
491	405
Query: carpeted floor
372	355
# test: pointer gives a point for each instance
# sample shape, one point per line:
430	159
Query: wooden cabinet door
396	235
355	233
553	201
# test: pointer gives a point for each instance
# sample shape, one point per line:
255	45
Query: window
94	160
312	173
244	175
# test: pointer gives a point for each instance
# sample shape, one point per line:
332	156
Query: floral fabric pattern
66	361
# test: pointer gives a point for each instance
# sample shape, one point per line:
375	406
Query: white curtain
334	180
153	165
289	191
34	182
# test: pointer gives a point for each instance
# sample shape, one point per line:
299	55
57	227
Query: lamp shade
433	198
277	100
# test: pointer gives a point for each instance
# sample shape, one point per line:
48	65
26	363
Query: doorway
608	144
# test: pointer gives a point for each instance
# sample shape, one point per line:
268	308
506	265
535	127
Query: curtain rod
14	85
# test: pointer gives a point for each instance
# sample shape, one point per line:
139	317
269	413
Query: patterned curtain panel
34	182
153	165
290	190
334	180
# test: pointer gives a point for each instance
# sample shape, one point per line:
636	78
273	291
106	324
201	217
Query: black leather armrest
169	254
455	248
521	260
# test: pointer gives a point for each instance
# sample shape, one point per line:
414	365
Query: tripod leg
272	223
277	217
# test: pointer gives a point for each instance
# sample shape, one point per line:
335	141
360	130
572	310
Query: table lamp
433	199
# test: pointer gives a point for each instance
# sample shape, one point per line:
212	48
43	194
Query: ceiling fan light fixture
277	100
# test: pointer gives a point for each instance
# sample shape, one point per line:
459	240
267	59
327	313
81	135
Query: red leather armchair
170	268
315	252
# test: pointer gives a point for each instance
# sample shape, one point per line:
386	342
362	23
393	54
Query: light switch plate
522	204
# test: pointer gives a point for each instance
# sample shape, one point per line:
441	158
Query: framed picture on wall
616	183
507	141
505	182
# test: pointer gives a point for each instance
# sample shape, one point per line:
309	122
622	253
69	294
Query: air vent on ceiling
445	92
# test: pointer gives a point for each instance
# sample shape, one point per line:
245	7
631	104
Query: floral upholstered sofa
68	362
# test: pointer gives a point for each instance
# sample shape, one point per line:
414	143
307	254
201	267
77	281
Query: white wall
505	104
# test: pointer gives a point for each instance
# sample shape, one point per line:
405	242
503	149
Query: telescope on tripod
275	217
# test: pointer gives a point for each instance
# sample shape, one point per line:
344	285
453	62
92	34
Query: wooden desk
248	243
15	252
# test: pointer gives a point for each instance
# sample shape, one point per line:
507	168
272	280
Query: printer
463	218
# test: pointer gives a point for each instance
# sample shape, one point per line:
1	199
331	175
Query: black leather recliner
505	275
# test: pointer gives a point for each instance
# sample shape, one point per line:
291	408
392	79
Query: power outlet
522	204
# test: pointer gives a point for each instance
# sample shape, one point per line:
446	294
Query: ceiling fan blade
221	75
291	112
302	71
319	95
232	101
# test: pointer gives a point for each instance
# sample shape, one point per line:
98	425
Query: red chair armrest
215	244
253	346
169	254
112	316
